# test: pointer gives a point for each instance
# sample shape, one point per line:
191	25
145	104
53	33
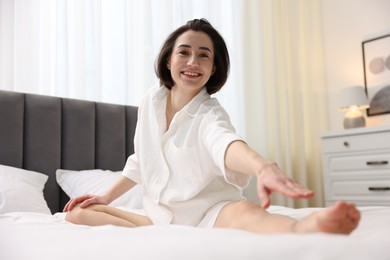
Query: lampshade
353	96
353	100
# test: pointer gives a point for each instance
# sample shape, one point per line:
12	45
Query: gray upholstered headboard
43	133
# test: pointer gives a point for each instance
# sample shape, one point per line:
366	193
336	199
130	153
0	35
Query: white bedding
30	236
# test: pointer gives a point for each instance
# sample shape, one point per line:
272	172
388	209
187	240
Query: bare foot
341	218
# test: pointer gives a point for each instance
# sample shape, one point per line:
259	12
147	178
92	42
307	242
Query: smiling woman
105	51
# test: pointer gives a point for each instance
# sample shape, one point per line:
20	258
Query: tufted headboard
44	133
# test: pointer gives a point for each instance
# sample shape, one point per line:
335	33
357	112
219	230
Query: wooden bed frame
44	133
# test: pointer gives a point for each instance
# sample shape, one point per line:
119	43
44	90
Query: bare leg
97	215
341	218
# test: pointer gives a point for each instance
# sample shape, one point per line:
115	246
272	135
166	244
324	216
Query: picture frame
376	63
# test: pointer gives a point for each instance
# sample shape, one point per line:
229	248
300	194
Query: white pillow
76	183
22	191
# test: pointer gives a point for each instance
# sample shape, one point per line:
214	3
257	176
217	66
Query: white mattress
36	236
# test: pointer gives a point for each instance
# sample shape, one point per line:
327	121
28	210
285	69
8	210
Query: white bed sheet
37	236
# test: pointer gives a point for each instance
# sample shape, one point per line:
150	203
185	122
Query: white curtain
104	50
284	89
295	90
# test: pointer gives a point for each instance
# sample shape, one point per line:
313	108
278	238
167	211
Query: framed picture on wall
376	61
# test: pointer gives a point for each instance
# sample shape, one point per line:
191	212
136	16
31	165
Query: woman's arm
241	158
119	188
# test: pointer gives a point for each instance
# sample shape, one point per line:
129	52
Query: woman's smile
191	74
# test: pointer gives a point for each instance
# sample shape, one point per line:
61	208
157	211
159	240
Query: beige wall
346	24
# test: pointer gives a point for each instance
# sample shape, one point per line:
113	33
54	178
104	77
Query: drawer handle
379	188
375	163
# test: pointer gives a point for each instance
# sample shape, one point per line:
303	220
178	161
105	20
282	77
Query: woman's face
192	60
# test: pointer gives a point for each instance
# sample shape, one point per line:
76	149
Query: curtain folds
103	50
295	90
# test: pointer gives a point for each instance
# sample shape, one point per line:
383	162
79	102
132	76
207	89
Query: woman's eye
184	53
204	55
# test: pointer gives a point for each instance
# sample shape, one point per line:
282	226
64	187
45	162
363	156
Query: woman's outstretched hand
85	201
272	179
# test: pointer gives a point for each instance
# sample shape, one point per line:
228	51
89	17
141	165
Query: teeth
190	73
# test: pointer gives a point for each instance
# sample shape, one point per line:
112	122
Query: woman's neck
176	100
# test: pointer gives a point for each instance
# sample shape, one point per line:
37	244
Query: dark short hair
221	56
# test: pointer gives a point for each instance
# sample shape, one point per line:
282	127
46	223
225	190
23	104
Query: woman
189	159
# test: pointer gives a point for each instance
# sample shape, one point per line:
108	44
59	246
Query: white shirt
182	169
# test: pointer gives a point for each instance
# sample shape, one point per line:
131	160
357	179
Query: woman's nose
193	60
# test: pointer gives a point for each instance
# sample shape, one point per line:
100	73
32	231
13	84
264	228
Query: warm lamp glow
354	100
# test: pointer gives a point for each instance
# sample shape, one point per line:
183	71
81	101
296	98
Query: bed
54	148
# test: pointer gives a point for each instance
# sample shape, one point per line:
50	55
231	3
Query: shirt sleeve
131	169
219	134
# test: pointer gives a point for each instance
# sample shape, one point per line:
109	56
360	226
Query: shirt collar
191	108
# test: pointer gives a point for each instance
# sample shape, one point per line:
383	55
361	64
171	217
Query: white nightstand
356	165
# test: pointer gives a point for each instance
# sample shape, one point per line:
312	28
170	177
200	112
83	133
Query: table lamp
354	100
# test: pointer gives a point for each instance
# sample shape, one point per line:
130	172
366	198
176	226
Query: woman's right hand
85	201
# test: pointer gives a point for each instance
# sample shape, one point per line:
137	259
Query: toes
341	218
354	212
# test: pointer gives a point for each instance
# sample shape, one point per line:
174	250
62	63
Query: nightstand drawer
350	189
356	165
360	142
360	162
